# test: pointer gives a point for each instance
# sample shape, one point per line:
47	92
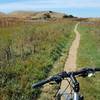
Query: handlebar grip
97	69
39	84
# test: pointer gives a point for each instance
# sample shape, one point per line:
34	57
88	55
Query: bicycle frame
76	89
66	96
76	96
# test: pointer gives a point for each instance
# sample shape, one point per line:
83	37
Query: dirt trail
70	64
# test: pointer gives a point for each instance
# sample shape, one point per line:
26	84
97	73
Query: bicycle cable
66	87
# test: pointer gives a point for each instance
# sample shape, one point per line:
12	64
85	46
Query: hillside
35	15
21	14
2	14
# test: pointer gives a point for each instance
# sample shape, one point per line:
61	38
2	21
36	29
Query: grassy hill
36	15
2	14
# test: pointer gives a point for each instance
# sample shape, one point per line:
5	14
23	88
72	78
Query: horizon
87	8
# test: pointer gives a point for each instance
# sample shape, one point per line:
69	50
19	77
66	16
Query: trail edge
70	64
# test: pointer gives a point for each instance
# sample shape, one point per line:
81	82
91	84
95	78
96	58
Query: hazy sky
82	8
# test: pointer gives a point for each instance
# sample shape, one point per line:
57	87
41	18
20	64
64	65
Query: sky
80	8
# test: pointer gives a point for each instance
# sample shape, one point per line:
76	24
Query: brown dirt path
70	64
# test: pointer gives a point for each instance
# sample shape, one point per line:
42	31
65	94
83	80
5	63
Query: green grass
27	54
58	67
89	55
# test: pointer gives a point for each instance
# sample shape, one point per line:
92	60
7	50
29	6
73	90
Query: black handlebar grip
39	84
97	69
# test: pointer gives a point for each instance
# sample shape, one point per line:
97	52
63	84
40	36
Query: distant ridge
36	15
2	14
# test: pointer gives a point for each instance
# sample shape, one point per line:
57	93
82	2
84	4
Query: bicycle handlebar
41	83
56	78
59	77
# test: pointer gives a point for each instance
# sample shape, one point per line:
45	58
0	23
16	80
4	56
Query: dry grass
27	54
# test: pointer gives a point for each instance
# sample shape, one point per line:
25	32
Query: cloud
48	4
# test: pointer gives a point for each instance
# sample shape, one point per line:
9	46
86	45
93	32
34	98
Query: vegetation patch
89	55
27	54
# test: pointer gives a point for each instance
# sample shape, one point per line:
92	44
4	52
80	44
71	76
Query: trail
70	64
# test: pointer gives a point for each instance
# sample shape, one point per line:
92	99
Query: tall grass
27	54
89	55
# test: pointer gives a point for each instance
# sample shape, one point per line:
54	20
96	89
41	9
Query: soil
70	64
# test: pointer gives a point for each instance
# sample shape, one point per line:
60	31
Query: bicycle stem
75	83
76	88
